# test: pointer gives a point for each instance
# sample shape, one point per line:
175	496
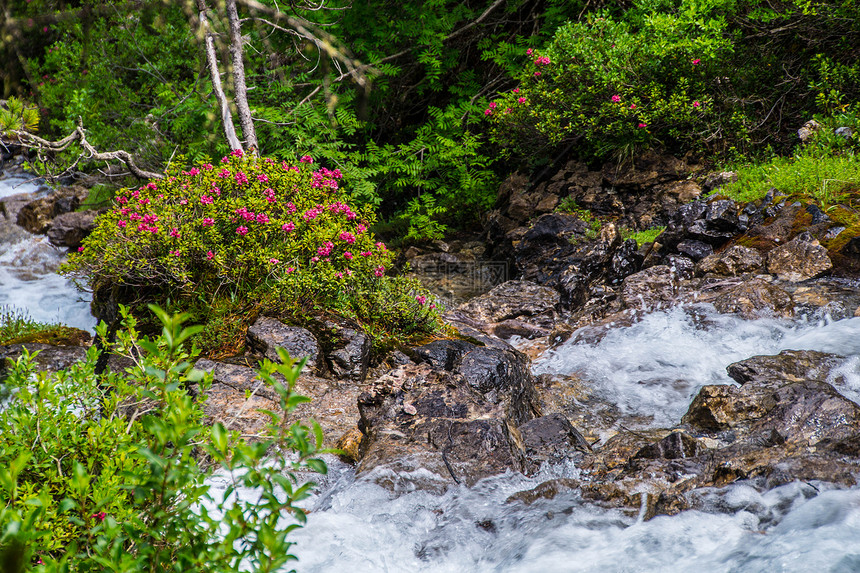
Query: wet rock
696	250
443	354
36	215
51	358
426	428
586	265
800	259
501	377
733	261
651	289
523	300
348	350
676	445
788	366
625	261
456	277
268	334
69	229
755	298
551	438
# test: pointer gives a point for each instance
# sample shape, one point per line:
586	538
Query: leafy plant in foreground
113	473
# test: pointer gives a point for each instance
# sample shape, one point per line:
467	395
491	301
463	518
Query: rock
676	445
69	229
808	130
787	366
426	428
716	180
501	377
36	215
733	261
51	358
585	266
800	259
844	132
524	300
626	260
696	250
268	334
443	354
551	438
237	394
651	289
348	350
755	298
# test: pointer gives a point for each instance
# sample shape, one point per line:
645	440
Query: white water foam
655	367
28	275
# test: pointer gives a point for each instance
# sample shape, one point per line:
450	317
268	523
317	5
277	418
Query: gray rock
696	250
551	438
268	334
501	377
800	259
69	229
51	358
349	356
755	298
651	289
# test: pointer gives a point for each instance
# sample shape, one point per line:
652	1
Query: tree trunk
212	61
237	53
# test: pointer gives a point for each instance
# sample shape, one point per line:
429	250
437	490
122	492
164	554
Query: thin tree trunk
241	91
212	61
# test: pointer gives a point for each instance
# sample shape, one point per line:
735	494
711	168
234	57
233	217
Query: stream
650	370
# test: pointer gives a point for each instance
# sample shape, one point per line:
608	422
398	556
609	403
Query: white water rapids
28	272
359	527
650	369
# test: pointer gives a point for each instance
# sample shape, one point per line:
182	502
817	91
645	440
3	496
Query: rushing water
653	367
28	272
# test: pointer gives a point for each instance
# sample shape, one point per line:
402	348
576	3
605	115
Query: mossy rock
56	336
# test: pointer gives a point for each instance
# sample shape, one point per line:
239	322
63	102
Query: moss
56	335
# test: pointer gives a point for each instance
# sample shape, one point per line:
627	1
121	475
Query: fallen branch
30	141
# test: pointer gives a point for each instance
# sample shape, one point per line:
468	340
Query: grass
824	178
642	237
16	326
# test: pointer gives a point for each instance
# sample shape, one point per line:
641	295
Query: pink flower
529	52
537	74
366	253
121	223
616	99
291	208
696	104
339	275
274	261
488	112
240	178
632	106
315	259
360	228
493	105
224	173
242	230
421	299
290	269
696	62
183	202
521	100
150	186
262	218
542	61
206	199
288	227
379	271
122	200
100	515
175	253
642	125
208	221
380	246
306	159
174	232
263	178
80	249
516	90
210	255
348	237
237	153
325	249
347	255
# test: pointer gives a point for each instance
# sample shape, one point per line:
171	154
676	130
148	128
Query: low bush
248	236
109	473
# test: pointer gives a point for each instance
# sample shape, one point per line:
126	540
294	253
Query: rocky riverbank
455	411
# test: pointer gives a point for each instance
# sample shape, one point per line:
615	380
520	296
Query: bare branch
31	141
239	85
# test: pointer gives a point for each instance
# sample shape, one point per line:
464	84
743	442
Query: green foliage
642	237
16	323
17	116
107	474
569	206
252	229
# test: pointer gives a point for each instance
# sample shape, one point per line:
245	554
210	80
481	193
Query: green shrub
250	230
108	474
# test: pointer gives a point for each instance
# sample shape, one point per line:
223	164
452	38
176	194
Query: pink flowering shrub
611	86
271	232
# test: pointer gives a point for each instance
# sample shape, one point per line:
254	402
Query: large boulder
267	334
800	259
514	307
70	229
755	298
651	289
733	261
36	215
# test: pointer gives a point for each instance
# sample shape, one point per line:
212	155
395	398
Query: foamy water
28	273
